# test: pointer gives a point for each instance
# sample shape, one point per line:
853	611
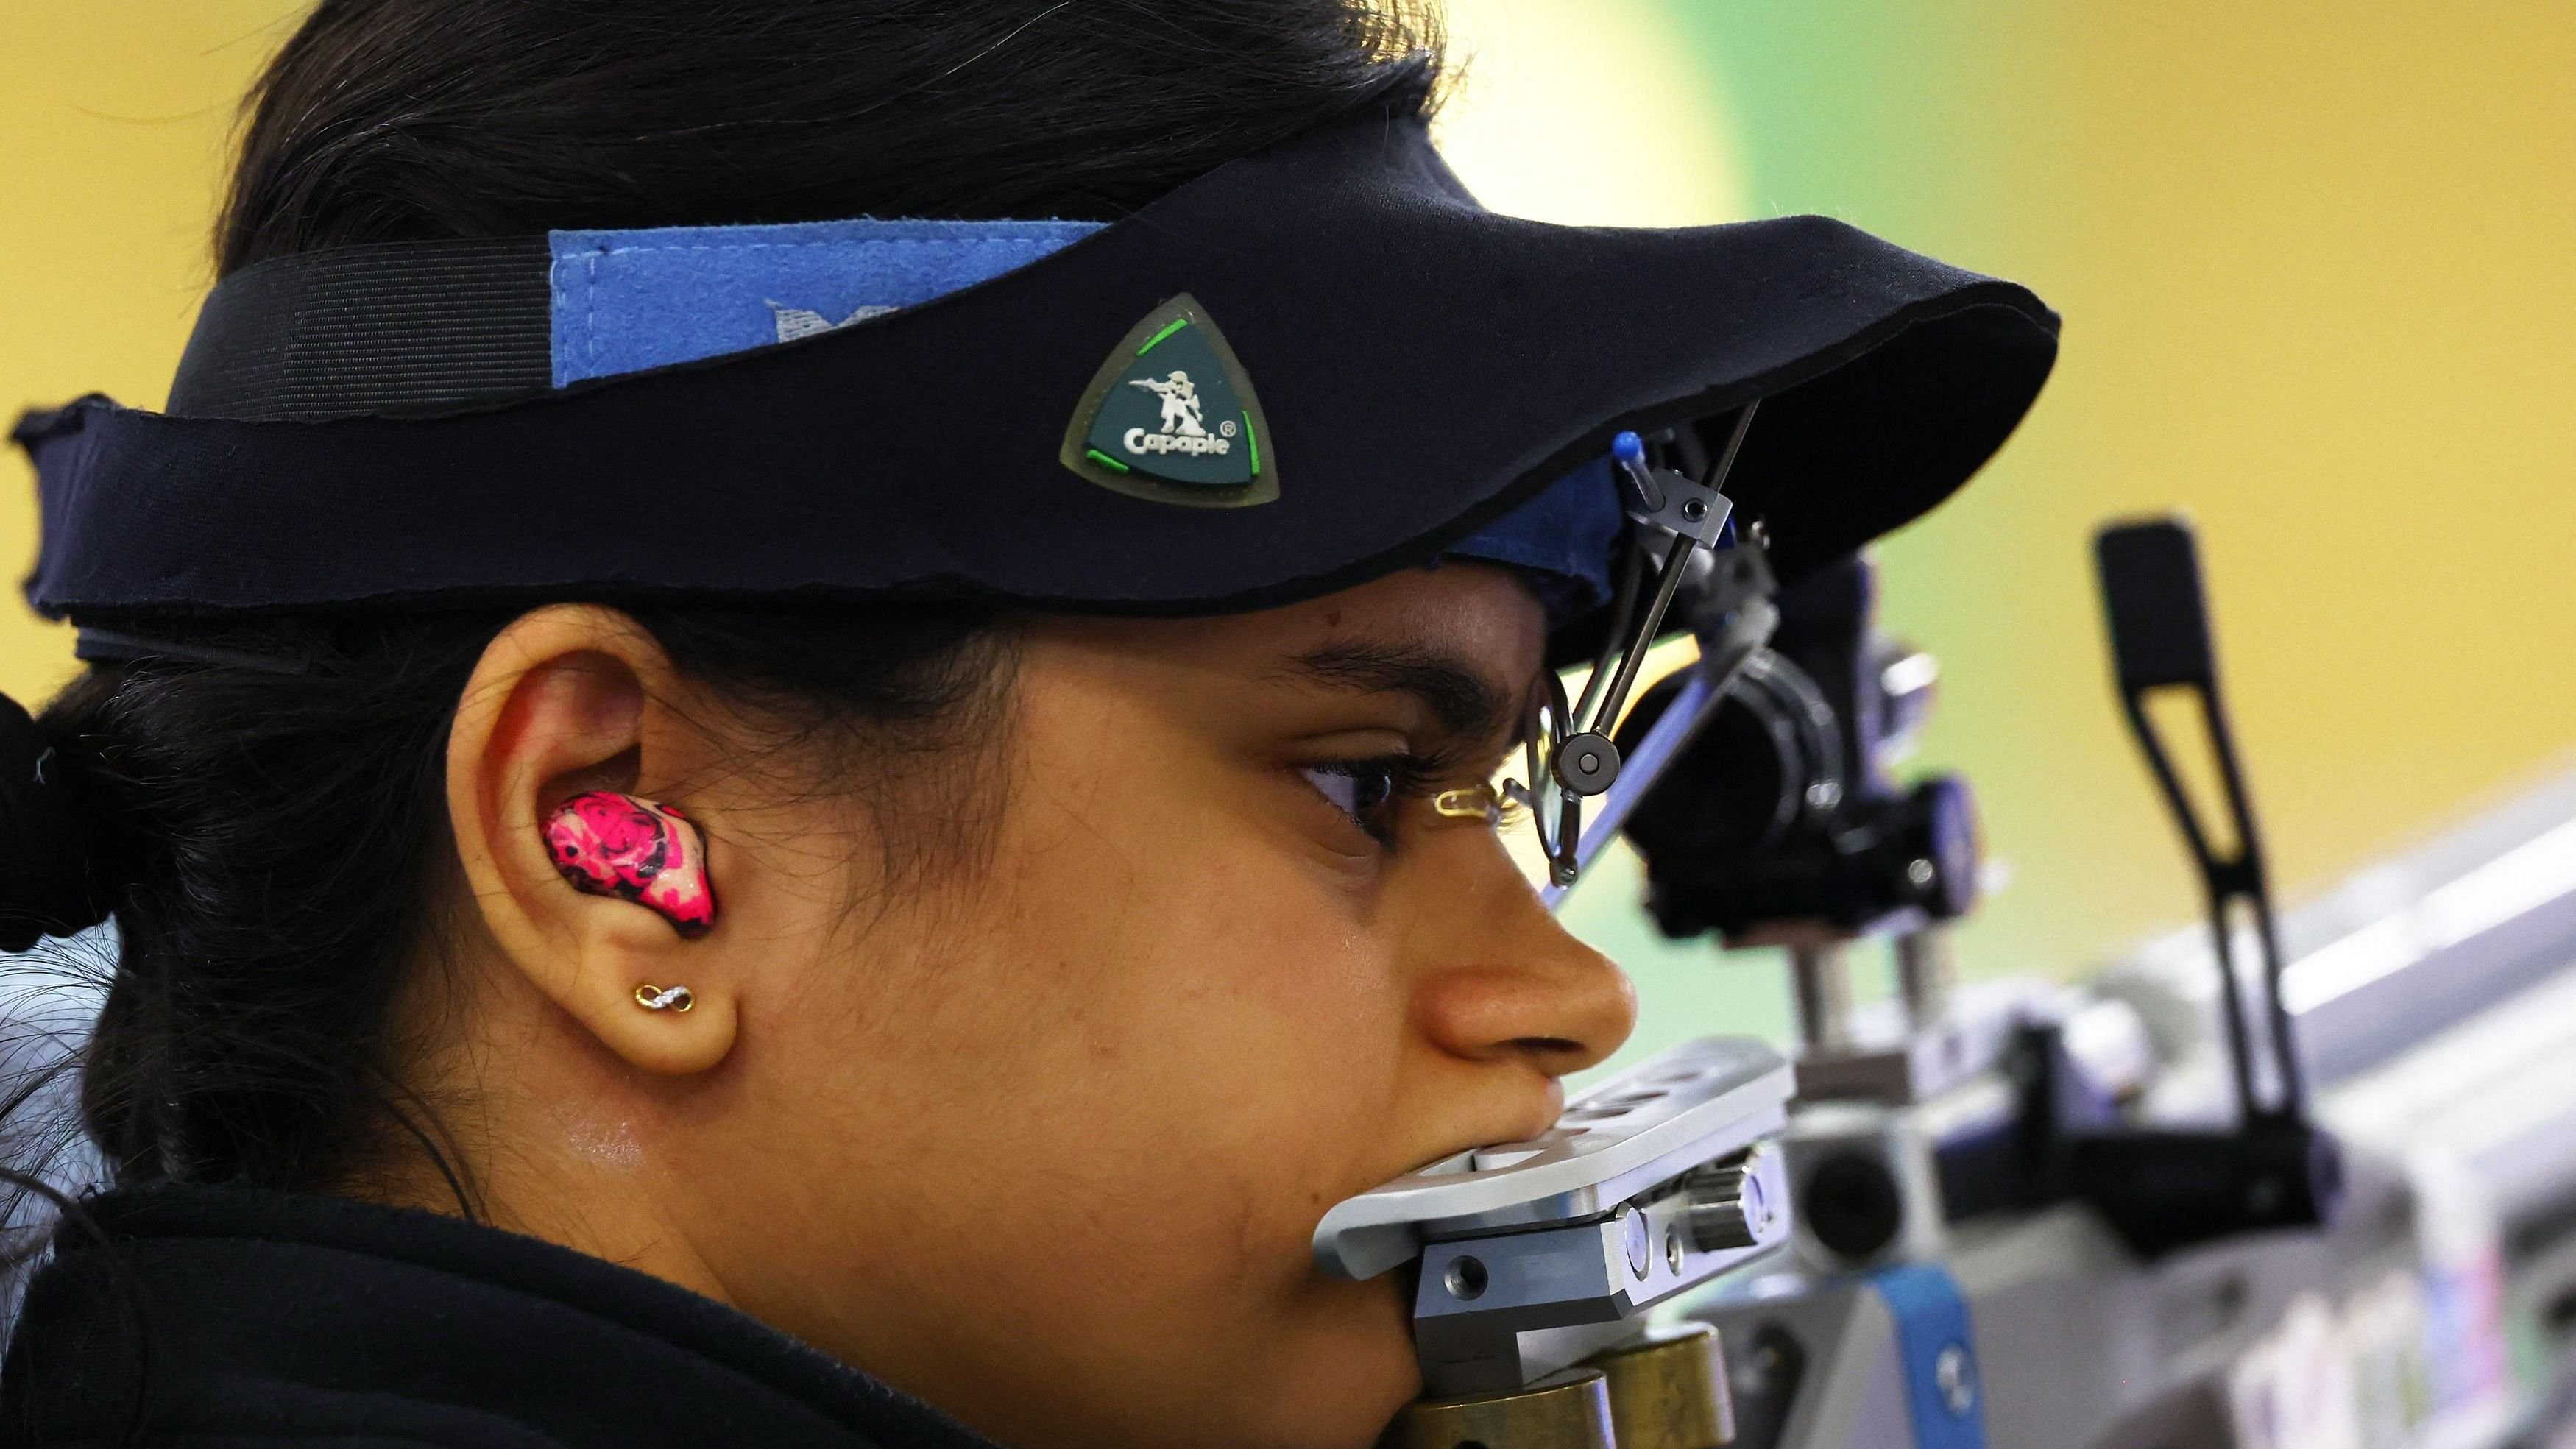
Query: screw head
1955	1376
1587	763
1636	1237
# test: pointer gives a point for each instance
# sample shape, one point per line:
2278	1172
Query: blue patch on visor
1566	532
625	301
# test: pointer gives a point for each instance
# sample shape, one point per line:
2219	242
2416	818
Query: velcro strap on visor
404	328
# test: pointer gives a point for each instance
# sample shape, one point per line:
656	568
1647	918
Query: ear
568	699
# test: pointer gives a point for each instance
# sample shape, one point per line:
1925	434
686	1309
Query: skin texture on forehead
1044	1141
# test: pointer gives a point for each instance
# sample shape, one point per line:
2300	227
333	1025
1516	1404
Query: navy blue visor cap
1393	373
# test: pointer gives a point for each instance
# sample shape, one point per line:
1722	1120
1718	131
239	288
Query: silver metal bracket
1537	1253
1660	498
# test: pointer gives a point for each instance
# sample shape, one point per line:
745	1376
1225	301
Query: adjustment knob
1728	1208
1941	847
1587	763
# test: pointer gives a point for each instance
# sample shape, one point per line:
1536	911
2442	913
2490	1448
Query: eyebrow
1462	699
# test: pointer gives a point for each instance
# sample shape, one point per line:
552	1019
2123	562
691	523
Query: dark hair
272	842
396	120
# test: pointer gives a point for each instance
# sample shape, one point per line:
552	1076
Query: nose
1503	982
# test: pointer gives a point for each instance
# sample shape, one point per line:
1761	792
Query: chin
1350	1413
1336	1384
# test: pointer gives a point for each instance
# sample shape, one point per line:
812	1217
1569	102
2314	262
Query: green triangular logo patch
1171	417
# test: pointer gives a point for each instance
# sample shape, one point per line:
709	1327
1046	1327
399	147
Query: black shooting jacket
276	1320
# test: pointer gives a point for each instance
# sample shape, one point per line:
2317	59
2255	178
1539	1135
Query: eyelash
1363	790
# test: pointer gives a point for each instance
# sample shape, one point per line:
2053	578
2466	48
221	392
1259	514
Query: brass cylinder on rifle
1663	1389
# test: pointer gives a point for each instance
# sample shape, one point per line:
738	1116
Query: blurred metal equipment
2305	1183
1782	825
1785	824
2106	1217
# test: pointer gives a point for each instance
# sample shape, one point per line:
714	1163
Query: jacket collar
267	1314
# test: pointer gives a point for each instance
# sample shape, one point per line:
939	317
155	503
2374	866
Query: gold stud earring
654	998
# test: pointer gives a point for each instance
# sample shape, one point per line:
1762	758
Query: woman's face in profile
1041	1133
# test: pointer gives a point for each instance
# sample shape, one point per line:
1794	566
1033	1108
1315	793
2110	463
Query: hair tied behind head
48	842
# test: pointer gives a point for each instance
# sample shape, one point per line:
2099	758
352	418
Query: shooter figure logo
1184	421
1180	403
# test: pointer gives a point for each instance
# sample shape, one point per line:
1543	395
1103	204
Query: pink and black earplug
616	845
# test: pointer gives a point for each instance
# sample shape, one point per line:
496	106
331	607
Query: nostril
1546	1045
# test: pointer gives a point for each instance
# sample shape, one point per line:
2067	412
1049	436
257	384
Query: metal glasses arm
1684	517
1745	618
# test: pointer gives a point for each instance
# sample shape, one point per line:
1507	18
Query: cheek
1224	1038
1220	1009
1150	1045
1251	945
1231	1076
1190	970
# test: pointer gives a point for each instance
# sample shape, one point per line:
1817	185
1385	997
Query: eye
1361	789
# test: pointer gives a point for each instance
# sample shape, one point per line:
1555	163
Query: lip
1555	1110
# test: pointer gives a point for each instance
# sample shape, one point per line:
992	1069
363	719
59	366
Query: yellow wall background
114	121
2318	264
